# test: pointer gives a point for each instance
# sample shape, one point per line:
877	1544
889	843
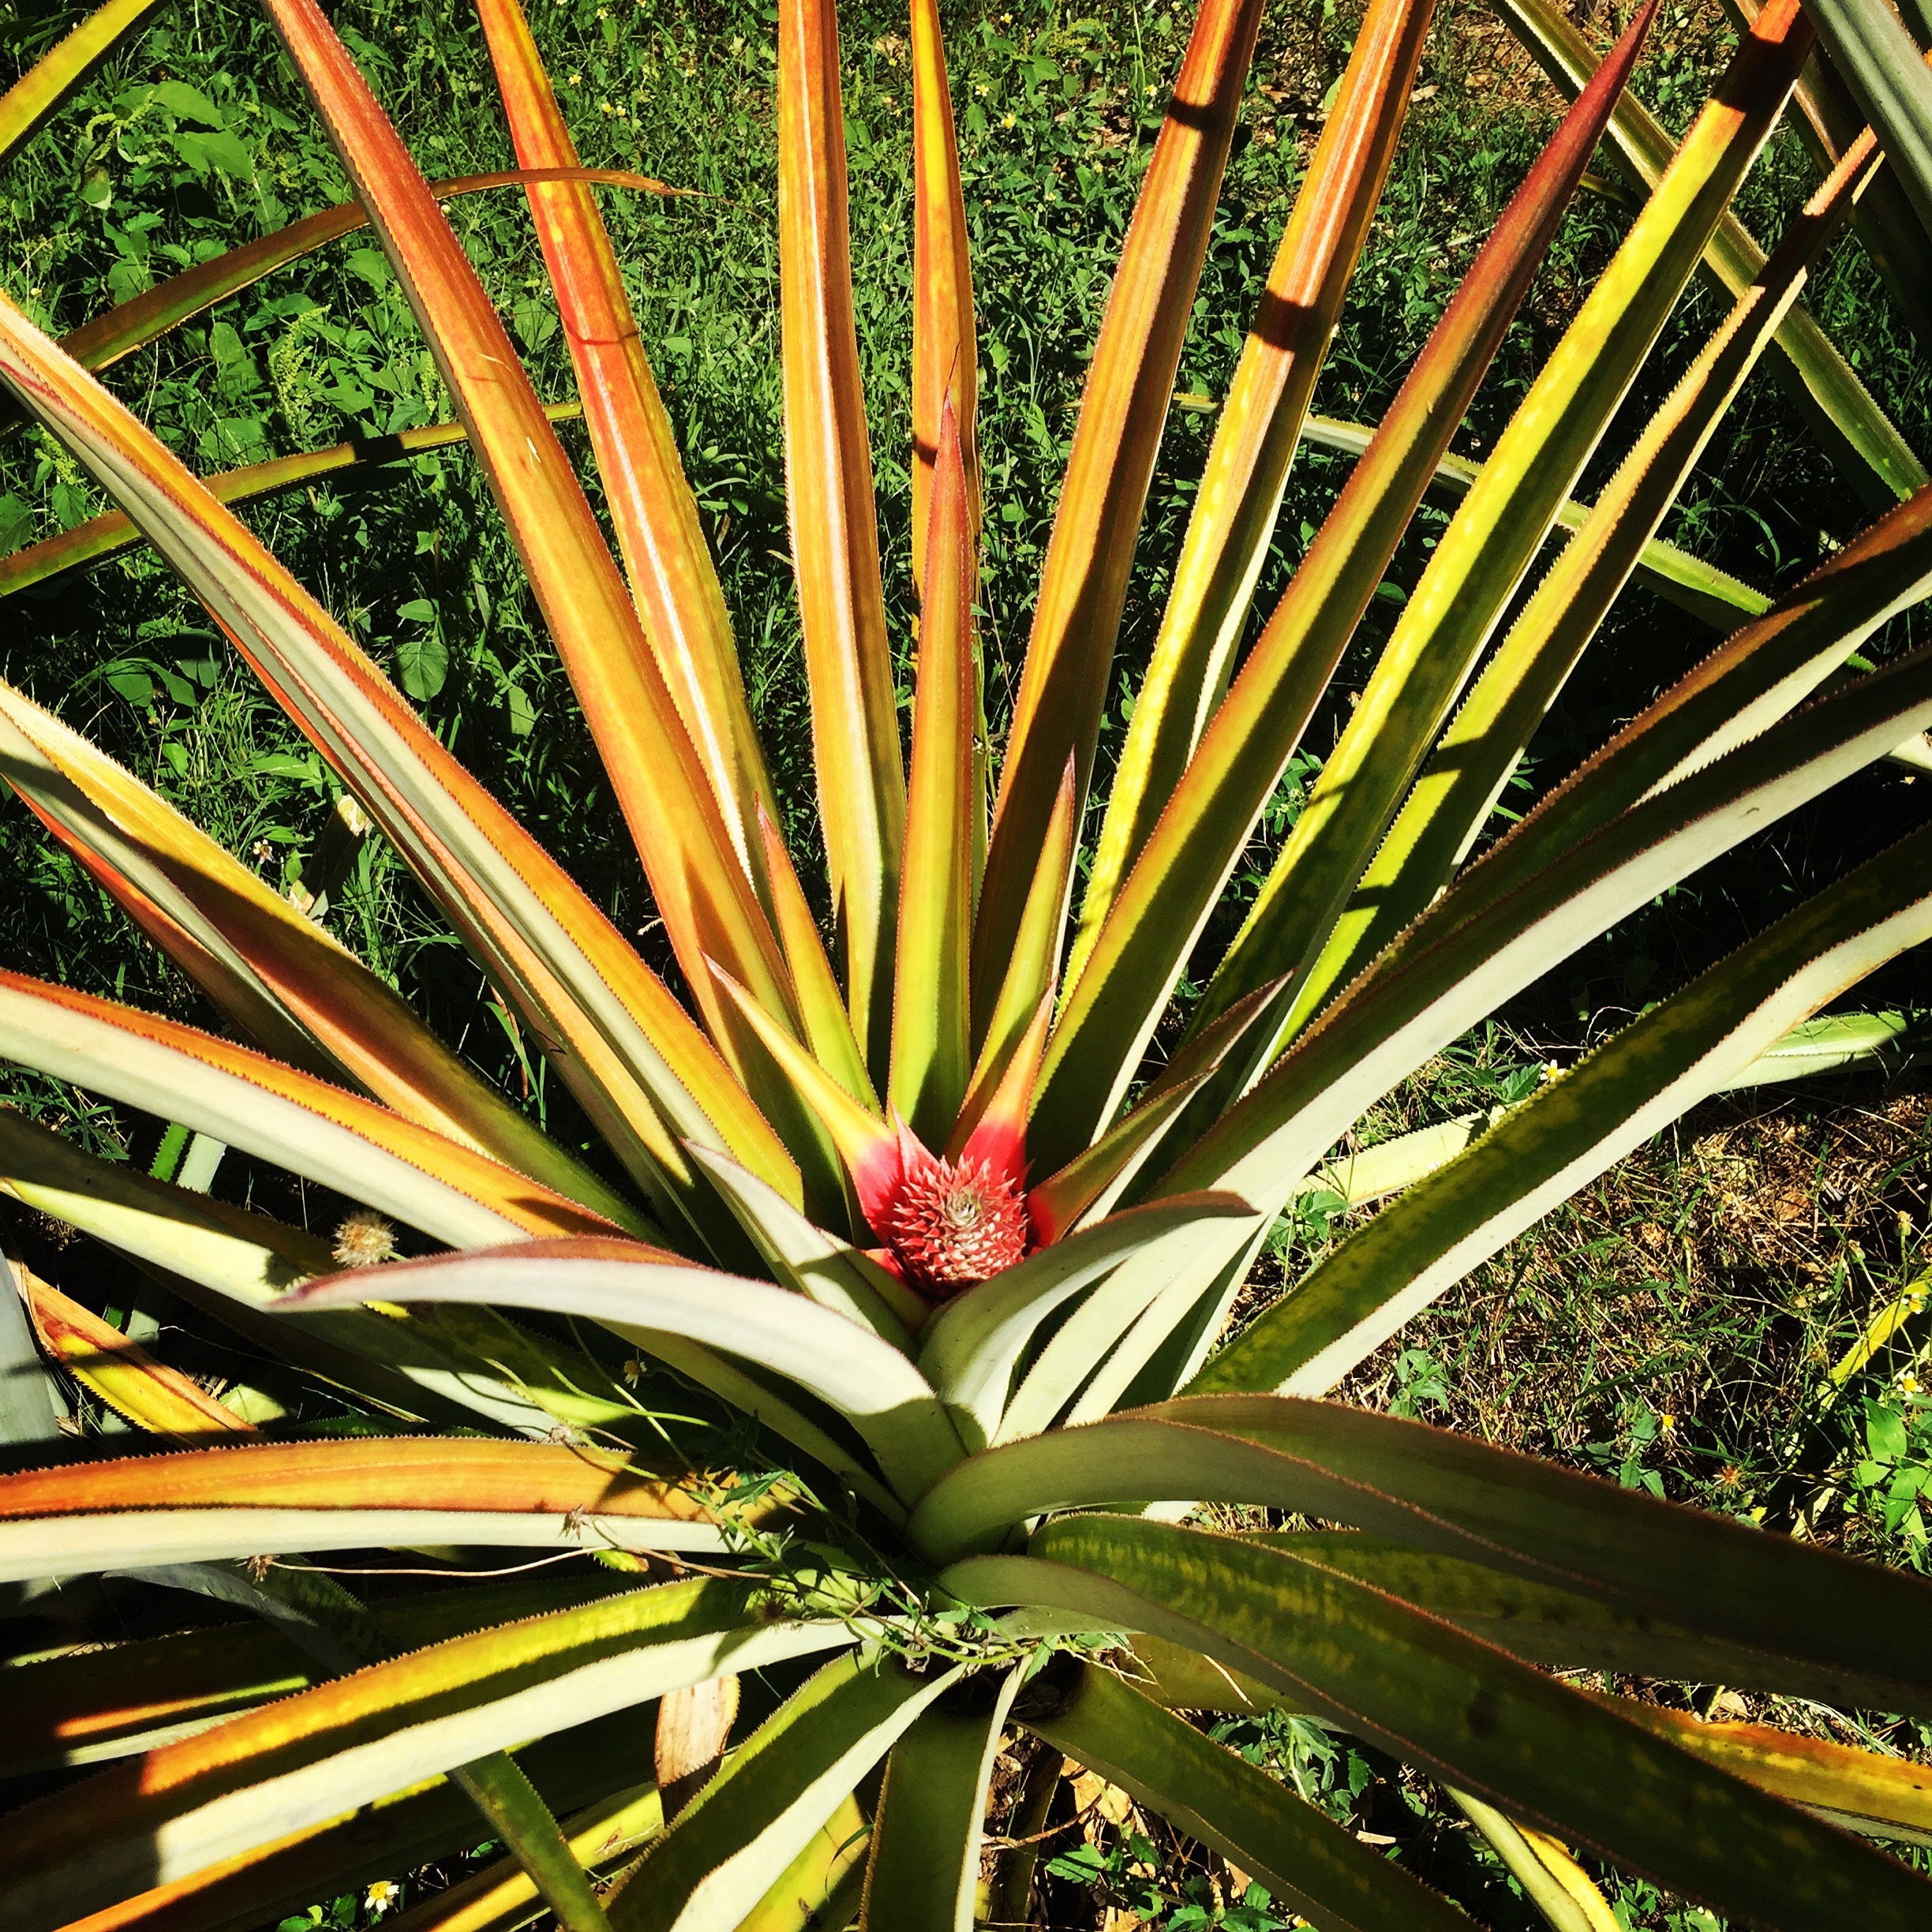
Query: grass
1676	1326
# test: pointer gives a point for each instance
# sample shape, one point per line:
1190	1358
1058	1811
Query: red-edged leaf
652	510
323	1132
1178	881
1069	658
275	974
1233	521
945	369
931	1055
698	879
867	1146
834	526
993	1126
644	1071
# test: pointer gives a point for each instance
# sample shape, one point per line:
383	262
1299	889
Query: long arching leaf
234	1265
1787	1613
150	1394
636	1291
678	597
1577	1127
448	1190
645	1073
1455	970
271	971
1310	1865
87	1706
698	881
401	1833
314	1756
1452	799
1550	1755
202	1505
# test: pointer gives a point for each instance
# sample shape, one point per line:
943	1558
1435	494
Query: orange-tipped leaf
646	1074
1233	521
678	597
835	552
945	367
1070	655
698	877
152	1396
273	972
1177	880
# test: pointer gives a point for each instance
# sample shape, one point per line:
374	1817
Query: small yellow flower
575	80
607	107
1909	1383
981	90
384	1893
1011	121
1668	1424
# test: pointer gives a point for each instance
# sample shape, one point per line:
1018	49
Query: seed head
364	1239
